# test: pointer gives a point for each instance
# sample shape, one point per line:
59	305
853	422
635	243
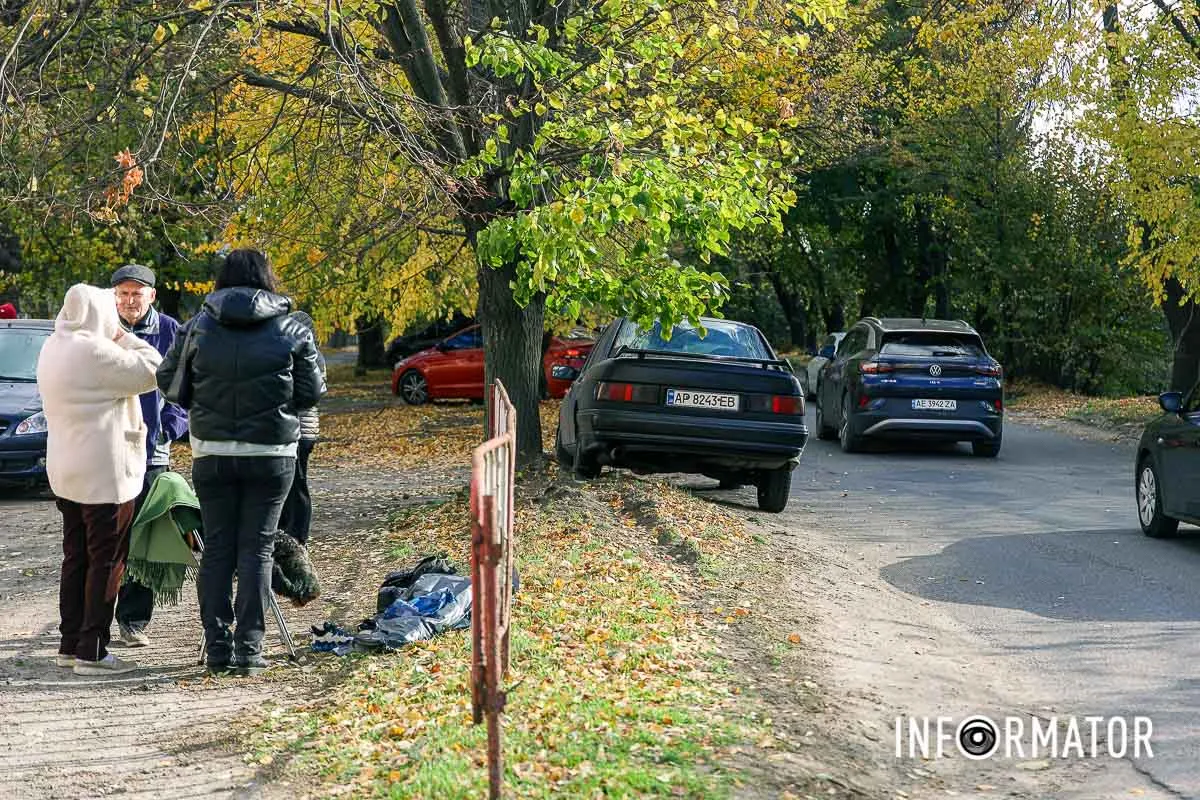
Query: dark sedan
22	424
716	402
1167	477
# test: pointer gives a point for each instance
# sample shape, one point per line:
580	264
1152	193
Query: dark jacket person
247	368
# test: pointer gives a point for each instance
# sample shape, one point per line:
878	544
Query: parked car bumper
732	442
952	427
23	459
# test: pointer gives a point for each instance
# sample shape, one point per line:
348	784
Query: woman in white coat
90	374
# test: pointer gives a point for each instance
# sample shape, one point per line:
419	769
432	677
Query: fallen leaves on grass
400	436
610	692
1104	412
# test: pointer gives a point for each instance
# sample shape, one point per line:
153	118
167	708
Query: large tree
572	146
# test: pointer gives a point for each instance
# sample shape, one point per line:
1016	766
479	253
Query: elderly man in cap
165	422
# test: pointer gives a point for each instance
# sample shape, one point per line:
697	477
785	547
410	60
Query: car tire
414	389
774	488
824	432
849	441
986	448
584	467
543	387
1154	522
565	460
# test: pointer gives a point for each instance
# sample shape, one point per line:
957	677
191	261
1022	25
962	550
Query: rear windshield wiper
16	379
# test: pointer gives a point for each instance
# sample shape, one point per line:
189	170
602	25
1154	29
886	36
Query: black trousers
135	602
95	544
296	518
240	500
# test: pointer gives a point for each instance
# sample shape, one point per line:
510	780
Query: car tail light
876	368
991	370
627	392
572	353
863	401
787	404
775	403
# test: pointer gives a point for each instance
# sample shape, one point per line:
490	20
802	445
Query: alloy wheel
1147	495
414	389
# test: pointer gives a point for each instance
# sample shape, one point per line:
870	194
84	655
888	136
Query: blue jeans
240	500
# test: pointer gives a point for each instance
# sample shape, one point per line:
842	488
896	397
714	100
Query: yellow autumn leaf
794	638
160	33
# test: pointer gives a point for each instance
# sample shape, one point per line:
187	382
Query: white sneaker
133	638
109	665
65	660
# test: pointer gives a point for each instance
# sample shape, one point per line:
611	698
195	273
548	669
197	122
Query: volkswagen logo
935	370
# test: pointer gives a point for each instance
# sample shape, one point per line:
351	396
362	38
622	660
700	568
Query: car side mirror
1171	402
442	346
827	352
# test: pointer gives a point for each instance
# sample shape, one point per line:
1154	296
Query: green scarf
159	556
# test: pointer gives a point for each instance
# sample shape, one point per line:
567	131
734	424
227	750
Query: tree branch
1178	24
404	29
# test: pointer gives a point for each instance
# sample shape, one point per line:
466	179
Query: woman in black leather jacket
242	367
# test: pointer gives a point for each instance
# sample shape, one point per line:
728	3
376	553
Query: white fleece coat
96	440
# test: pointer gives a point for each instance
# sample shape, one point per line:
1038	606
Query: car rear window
19	350
931	345
721	338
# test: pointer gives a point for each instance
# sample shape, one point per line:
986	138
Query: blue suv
912	379
22	424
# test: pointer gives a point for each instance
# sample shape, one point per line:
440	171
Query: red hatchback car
453	368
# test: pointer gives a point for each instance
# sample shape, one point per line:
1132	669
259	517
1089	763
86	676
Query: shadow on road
1093	575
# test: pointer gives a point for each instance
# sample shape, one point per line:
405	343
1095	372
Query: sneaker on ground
65	659
132	637
109	665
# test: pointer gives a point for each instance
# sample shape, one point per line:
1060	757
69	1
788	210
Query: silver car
823	357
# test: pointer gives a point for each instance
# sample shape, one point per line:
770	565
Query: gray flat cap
133	272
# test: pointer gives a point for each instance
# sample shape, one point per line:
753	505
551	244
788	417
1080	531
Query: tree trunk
1184	323
370	345
793	308
512	352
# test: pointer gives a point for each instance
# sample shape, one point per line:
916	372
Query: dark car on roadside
1167	471
912	379
22	423
713	400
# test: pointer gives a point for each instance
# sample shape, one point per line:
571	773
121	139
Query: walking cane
284	633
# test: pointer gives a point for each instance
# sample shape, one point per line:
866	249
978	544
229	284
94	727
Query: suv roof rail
871	319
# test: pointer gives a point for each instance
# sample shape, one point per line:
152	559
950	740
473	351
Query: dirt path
165	730
861	654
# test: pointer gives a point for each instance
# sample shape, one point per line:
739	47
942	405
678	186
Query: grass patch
1102	412
612	693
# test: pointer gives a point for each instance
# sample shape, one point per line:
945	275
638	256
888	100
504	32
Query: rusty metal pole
491	620
478	538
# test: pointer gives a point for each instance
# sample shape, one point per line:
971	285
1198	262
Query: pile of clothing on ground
413	604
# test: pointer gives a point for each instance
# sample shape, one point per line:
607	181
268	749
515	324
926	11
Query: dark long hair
246	268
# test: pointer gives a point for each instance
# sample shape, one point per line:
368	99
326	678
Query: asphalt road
1038	554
